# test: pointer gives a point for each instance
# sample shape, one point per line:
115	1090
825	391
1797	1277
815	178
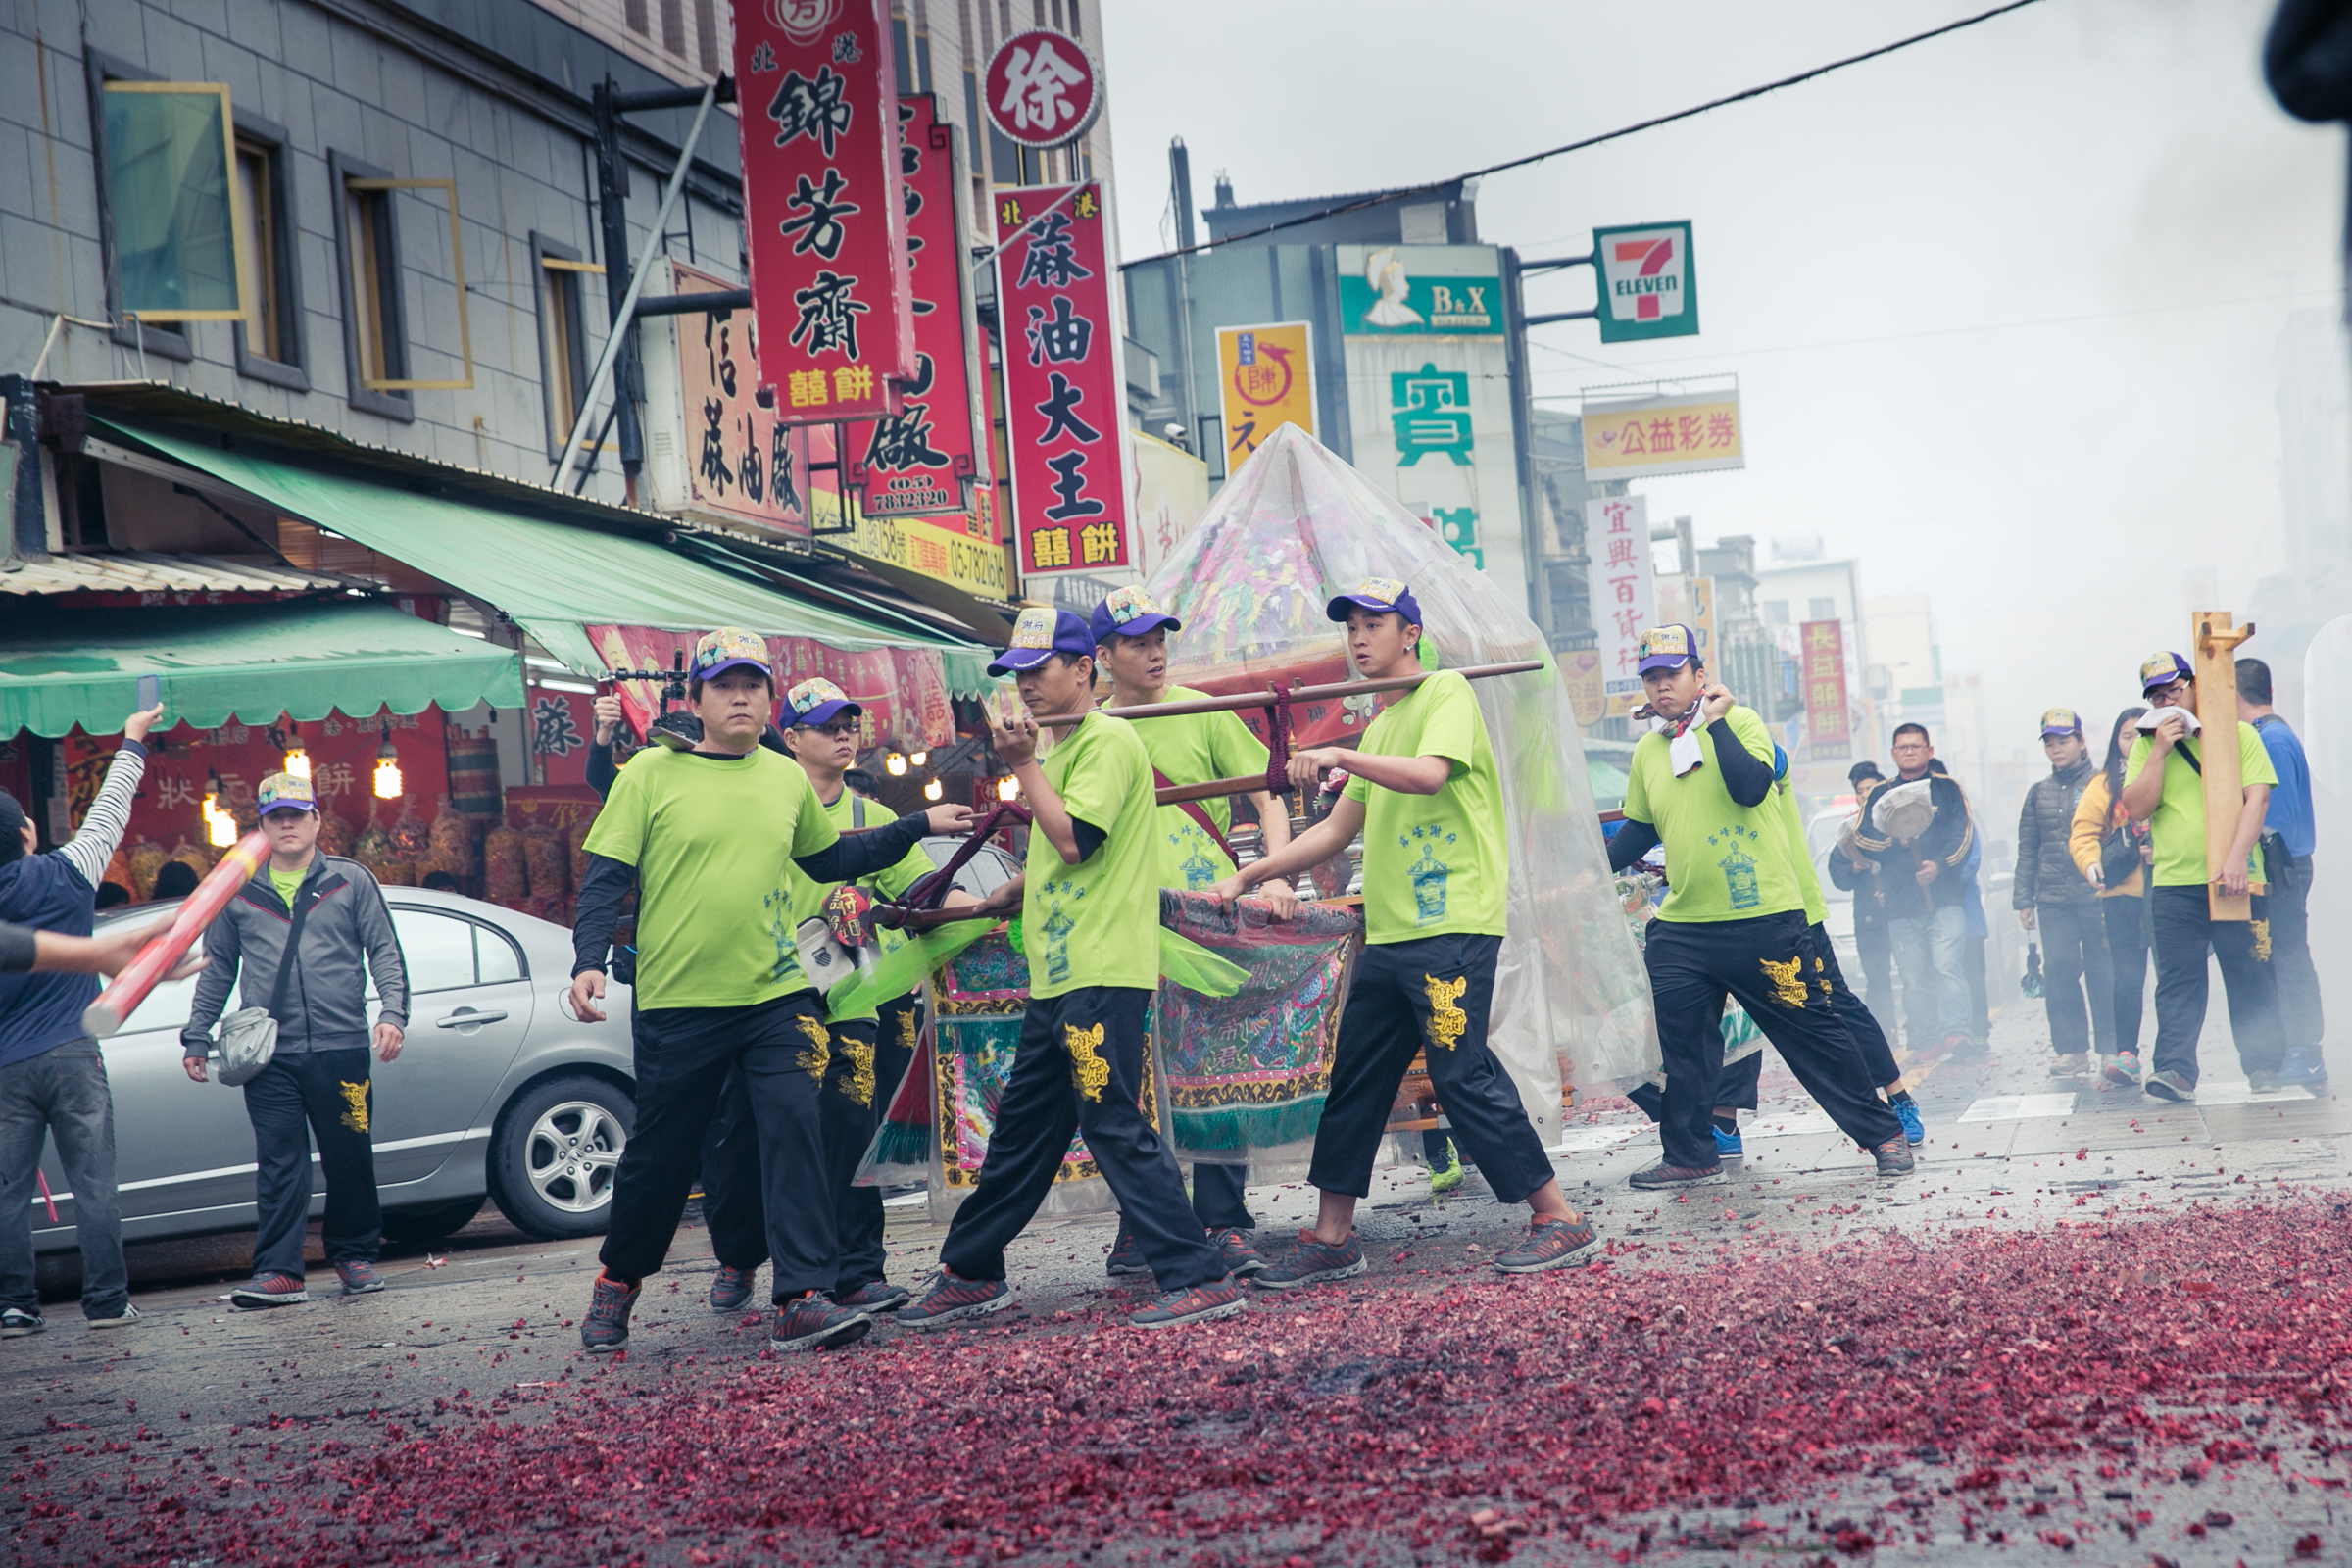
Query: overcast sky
2004	308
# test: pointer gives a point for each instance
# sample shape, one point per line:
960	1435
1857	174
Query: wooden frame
457	255
237	217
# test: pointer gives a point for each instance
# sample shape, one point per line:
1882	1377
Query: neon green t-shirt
1433	864
1808	884
1724	861
1095	923
1193	749
287	883
713	839
808	897
2179	826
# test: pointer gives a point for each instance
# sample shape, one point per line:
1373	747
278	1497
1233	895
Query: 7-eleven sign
1649	287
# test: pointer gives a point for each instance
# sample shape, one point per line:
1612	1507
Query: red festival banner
1823	645
925	459
1063	407
825	206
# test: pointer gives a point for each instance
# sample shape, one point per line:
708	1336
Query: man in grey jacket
318	1074
2051	895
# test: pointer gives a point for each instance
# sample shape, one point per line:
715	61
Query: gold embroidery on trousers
1086	1061
355	1105
857	1082
1818	967
2262	942
907	1030
813	1060
1787	988
1446	1022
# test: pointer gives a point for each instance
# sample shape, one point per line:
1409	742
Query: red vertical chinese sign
1063	407
924	459
1823	643
825	206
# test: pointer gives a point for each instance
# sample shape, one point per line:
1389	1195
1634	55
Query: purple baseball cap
1038	635
1130	612
1668	647
1377	593
2162	668
730	648
818	702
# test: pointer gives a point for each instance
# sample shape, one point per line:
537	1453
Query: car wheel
555	1154
430	1222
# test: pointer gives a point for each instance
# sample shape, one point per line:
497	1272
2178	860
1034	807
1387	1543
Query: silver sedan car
497	1091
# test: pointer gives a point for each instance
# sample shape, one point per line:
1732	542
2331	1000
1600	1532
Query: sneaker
268	1290
359	1277
1242	1259
813	1322
875	1296
1906	1112
1311	1261
120	1320
16	1323
1125	1256
2262	1081
2302	1066
1655	1178
607	1324
1893	1158
1551	1242
1728	1144
2124	1068
2170	1086
2071	1064
1444	1179
948	1296
1198	1303
1967	1048
731	1288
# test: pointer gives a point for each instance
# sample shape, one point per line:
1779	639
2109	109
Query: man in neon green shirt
1425	794
1089	903
711	837
1734	922
1131	643
2164	786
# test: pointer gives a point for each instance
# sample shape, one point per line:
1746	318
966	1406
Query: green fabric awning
60	667
552	579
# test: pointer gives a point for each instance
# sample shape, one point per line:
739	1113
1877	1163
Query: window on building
1820	610
270	339
375	342
562	336
705	34
1776	612
673	27
633	13
172	201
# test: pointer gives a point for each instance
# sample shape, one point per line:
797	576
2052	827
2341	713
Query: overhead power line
1618	134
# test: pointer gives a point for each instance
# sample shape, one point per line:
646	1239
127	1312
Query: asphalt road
2092	1328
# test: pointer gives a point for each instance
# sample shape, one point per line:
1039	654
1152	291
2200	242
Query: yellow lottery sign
1266	375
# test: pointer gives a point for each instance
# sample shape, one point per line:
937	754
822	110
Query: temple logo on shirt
1428	874
1198	869
1058	927
1739	866
778	905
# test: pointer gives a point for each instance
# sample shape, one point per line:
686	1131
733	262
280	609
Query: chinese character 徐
828	317
1049	547
1062	337
816	224
813	109
1060	409
1052	255
852	382
553	733
1037	89
806	388
1069	483
1099	543
713	464
1720	432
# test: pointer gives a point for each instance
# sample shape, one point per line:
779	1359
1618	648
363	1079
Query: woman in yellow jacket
2098	817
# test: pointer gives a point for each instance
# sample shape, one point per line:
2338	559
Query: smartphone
151	692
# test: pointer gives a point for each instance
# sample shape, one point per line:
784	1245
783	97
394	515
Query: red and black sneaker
950	1297
1654	1178
270	1289
1309	1261
731	1288
607	1324
813	1322
1551	1242
1241	1257
1125	1256
359	1277
1197	1304
876	1295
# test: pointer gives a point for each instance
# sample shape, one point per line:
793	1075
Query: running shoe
2071	1064
1893	1158
16	1323
268	1290
359	1277
1242	1259
2302	1066
2170	1086
1662	1176
1728	1144
1197	1304
1311	1261
1551	1242
1125	1256
607	1324
813	1322
1444	1179
2123	1068
731	1288
120	1320
1967	1048
948	1296
876	1295
2262	1081
1906	1112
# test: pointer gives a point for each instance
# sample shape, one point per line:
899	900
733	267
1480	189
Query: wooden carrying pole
2213	641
